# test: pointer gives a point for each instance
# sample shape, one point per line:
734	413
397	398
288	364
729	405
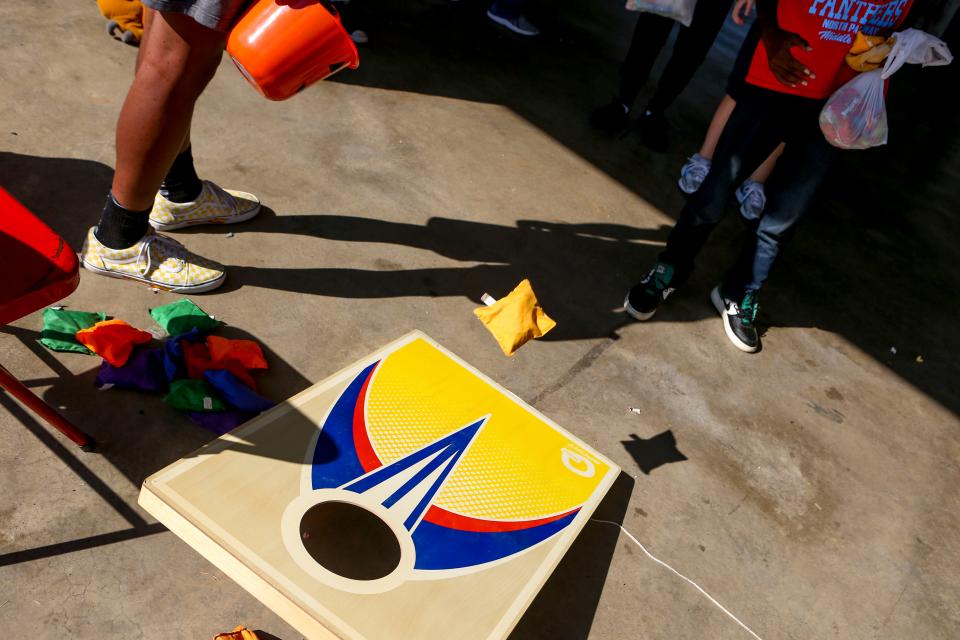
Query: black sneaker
645	296
653	131
739	319
611	118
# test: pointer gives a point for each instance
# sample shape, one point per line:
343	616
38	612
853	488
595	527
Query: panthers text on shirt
845	17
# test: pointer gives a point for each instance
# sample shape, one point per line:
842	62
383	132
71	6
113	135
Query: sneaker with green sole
645	296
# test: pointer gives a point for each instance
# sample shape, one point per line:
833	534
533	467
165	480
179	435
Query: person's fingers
801	69
788	74
794	40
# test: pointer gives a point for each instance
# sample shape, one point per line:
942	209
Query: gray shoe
693	173
752	199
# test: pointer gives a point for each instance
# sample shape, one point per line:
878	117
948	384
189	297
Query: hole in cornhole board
349	541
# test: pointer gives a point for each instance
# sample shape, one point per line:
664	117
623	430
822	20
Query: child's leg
762	174
752	132
719	121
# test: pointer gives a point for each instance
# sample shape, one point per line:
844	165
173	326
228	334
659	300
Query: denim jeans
761	120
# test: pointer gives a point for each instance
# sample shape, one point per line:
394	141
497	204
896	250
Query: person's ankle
181	183
181	193
120	228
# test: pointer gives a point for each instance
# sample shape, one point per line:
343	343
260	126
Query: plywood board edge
234	568
532	589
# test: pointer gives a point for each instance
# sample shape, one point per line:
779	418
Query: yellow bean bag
125	19
516	318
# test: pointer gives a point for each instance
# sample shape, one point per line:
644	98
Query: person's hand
787	69
742	10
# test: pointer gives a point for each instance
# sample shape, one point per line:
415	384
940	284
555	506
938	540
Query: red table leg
19	391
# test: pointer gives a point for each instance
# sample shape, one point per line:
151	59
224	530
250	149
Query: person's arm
778	42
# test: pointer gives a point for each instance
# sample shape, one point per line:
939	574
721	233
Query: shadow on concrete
871	263
584	300
70	456
553	81
81	544
567	603
654	452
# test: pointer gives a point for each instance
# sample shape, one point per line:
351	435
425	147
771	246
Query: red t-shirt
830	27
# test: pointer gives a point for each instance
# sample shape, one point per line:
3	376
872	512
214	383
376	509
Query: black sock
120	228
182	183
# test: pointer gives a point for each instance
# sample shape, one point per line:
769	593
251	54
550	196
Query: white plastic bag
855	117
916	47
679	10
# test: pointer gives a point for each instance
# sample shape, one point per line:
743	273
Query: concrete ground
811	489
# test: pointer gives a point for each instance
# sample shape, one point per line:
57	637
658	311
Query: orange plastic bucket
283	46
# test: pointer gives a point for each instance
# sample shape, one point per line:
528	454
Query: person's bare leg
762	173
177	59
717	124
147	19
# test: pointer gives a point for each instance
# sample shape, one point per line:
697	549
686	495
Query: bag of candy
855	117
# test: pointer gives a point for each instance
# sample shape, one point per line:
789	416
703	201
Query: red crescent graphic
445	518
361	439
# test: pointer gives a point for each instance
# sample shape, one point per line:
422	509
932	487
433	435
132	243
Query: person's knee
180	53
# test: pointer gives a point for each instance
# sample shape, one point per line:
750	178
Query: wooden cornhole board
407	496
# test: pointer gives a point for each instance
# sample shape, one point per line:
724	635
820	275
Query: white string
672	570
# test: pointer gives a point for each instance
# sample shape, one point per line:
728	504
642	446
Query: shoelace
696	170
755	198
174	249
656	282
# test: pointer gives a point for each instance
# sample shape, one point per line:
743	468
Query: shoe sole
506	24
198	288
637	315
243	217
721	309
689	193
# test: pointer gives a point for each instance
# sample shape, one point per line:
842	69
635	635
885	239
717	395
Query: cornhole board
407	496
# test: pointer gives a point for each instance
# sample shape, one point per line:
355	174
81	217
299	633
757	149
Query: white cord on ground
672	570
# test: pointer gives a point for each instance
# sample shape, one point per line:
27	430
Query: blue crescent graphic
343	458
